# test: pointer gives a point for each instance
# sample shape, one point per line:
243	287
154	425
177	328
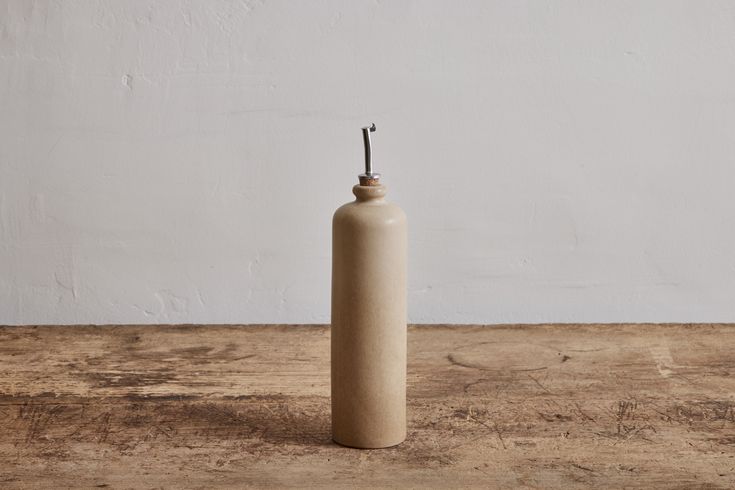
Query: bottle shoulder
367	212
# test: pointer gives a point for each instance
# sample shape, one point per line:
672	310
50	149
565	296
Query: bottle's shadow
299	430
278	420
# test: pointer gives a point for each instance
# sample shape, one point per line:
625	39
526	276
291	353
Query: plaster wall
179	161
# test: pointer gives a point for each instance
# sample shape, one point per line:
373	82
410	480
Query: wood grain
545	406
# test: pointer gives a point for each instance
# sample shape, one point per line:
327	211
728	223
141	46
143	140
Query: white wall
179	161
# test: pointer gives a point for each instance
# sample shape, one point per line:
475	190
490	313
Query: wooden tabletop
546	406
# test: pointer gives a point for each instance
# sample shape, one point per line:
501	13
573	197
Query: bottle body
368	335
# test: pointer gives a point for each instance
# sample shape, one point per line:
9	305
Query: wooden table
234	406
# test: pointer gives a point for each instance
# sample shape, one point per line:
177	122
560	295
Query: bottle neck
366	193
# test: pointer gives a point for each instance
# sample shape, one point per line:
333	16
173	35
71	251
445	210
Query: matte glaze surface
368	349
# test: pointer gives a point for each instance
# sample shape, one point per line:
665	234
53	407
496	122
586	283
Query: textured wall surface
179	161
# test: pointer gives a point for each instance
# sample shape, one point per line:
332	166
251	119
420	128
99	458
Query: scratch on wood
664	362
538	383
455	362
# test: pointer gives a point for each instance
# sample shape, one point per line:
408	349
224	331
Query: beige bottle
369	316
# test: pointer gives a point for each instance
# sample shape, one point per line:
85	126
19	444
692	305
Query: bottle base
355	445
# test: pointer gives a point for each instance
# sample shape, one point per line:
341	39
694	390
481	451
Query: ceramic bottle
368	331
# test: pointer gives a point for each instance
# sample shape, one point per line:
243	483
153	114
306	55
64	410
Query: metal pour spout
369	177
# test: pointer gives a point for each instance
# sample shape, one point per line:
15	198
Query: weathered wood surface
505	406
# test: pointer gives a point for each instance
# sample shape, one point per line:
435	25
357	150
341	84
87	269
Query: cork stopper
369	178
369	181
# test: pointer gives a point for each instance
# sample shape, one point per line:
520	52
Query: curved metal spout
368	150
